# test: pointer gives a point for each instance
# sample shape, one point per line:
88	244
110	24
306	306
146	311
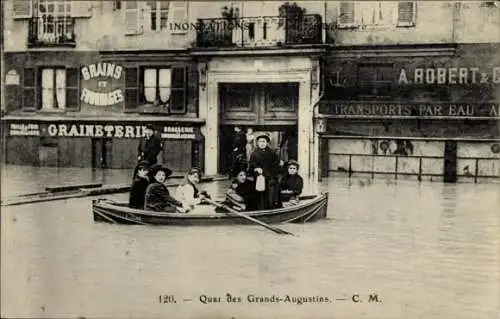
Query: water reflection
428	250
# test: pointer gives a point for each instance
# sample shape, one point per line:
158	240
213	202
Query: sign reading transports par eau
98	130
458	110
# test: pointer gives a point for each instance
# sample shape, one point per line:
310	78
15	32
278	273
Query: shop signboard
102	85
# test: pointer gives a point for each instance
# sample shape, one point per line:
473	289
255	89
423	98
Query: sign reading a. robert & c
102	84
455	75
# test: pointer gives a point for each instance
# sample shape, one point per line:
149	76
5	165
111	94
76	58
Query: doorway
450	162
283	140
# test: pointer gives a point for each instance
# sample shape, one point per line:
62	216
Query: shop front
99	144
89	109
421	117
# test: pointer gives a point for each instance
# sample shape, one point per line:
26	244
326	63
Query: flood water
427	250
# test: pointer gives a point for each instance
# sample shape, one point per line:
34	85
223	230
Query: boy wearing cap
150	146
264	162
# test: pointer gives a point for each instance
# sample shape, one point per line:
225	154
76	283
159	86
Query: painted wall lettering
102	84
98	130
455	75
416	109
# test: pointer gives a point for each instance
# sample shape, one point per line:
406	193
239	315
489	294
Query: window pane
178	77
47	98
282	95
47	78
163	20
150	78
150	94
151	4
177	101
61	98
164	94
153	20
29	77
165	78
60	78
237	95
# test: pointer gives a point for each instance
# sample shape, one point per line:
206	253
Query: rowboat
310	208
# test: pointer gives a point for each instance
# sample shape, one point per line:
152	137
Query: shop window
29	89
164	88
374	81
281	96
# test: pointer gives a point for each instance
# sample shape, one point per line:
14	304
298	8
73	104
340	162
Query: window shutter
22	9
178	13
133	16
179	88
346	13
72	89
81	9
131	88
406	13
29	85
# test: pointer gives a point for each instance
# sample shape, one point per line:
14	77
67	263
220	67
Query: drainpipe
312	138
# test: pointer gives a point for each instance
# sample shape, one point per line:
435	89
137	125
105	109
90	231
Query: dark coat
158	198
138	193
240	142
149	148
246	191
268	160
293	183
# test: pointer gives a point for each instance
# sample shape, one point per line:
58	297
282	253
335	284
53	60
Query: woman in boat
158	197
187	193
139	185
291	184
265	166
241	194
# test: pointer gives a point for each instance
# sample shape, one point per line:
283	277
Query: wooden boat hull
310	208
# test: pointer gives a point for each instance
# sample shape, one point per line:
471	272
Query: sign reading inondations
98	130
102	84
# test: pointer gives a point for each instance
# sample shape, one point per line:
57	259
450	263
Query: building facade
392	87
412	91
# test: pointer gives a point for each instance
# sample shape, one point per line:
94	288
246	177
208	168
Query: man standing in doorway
239	151
150	146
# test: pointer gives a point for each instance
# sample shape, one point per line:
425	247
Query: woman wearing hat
187	193
158	197
264	166
139	185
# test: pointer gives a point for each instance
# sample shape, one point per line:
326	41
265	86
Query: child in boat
292	183
139	185
187	193
158	197
241	194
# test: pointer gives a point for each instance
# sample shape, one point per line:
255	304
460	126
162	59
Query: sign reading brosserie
98	130
491	110
102	84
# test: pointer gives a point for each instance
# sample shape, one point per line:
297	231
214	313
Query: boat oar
233	211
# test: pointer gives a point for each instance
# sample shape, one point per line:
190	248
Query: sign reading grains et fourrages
99	130
102	84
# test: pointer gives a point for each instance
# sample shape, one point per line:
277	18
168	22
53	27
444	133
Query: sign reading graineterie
98	130
102	84
458	110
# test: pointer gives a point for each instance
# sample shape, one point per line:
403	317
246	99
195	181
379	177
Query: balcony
51	31
259	32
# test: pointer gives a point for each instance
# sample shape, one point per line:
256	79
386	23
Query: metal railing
414	165
259	31
51	31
